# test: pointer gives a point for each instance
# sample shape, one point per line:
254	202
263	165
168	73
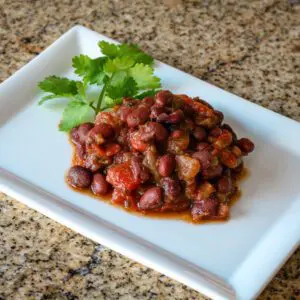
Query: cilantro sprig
124	71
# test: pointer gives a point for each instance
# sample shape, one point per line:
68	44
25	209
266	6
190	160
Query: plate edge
110	235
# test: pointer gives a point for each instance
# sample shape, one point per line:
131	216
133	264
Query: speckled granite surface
251	48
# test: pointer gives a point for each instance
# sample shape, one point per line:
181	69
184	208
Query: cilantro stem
92	106
101	96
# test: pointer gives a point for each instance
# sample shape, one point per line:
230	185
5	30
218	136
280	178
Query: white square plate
230	260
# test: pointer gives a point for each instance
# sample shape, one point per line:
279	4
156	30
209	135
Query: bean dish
163	154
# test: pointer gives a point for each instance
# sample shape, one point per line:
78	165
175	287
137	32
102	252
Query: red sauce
182	215
163	154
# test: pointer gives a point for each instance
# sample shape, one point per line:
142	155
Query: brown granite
251	48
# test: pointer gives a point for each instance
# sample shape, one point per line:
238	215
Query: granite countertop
251	48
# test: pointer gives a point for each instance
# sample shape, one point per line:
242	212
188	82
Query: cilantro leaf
58	85
124	71
109	49
81	88
48	97
123	62
118	63
81	64
143	76
131	50
90	69
118	77
125	88
74	114
109	67
136	53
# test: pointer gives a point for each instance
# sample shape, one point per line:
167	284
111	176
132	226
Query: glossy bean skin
124	111
212	172
93	162
160	132
199	133
105	129
224	184
79	177
166	165
202	146
171	188
175	117
80	133
151	199
80	150
156	111
220	116
153	130
99	185
204	157
139	171
215	132
138	116
245	145
123	138
163	153
148	101
204	209
99	133
162	98
162	118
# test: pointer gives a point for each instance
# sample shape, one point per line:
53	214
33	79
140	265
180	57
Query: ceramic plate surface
225	261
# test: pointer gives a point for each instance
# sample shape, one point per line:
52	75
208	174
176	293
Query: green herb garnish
124	71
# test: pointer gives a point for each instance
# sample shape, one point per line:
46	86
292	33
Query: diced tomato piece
122	177
96	149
